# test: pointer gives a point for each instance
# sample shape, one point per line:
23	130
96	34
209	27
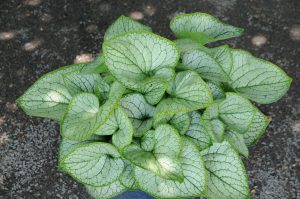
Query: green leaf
216	90
80	119
197	132
188	93
211	113
218	129
148	141
194	182
122	25
77	82
180	121
66	146
205	64
223	56
163	159
165	74
256	129
237	142
119	126
127	177
95	67
153	90
139	112
96	164
226	175
257	79
48	96
116	92
189	87
202	28
84	116
137	56
171	106
106	192
186	45
237	112
102	90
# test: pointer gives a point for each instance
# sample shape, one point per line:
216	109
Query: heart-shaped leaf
257	79
127	178
237	112
163	159
205	64
139	111
81	117
218	129
119	126
237	142
202	28
210	118
223	56
180	121
48	97
153	89
256	128
188	92
66	146
148	141
226	176
122	25
77	82
216	90
102	90
84	115
197	132
193	184
137	56
96	164
108	191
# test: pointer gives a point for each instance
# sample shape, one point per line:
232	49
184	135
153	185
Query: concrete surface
37	36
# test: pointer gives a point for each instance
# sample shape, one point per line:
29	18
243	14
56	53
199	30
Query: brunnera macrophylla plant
170	118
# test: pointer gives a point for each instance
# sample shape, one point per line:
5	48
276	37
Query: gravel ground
37	36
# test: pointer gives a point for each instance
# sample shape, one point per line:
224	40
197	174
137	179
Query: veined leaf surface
137	56
96	164
106	192
188	92
77	82
193	184
202	28
122	25
48	97
257	79
139	111
119	126
237	112
163	160
256	129
197	132
226	175
85	115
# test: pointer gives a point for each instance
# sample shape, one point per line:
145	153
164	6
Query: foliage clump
171	118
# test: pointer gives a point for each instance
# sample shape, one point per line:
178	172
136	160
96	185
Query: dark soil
37	36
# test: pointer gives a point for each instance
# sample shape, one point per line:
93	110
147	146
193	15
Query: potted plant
170	118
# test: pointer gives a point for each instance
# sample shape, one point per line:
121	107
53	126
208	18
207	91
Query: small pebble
136	15
259	40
